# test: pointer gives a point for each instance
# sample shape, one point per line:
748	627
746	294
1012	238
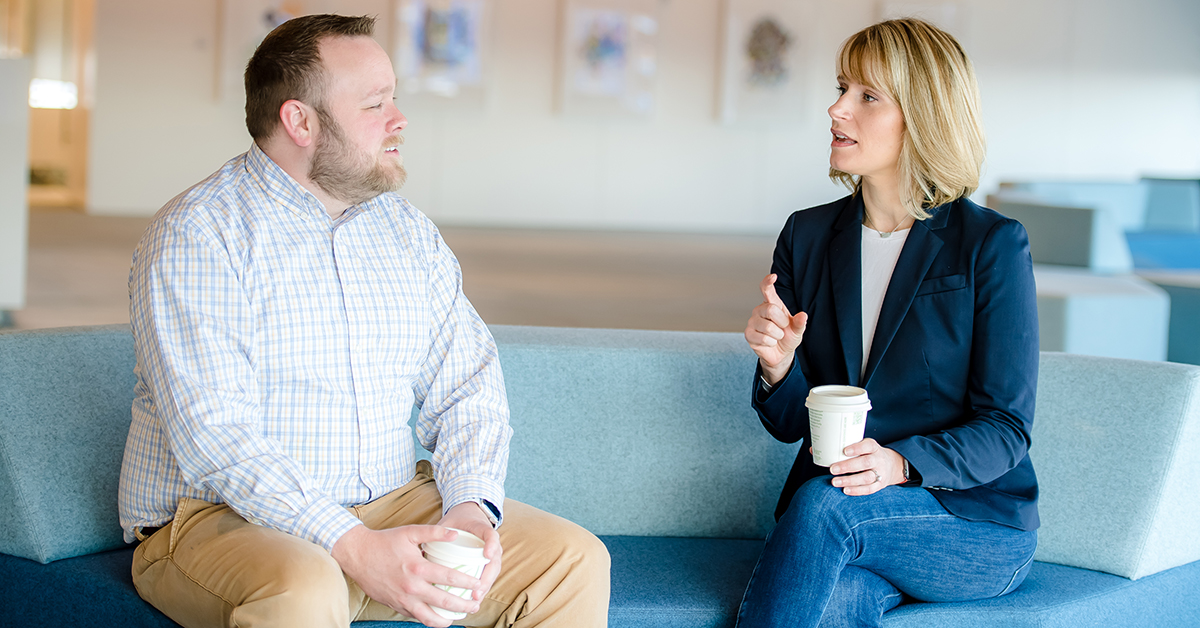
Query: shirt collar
286	191
280	186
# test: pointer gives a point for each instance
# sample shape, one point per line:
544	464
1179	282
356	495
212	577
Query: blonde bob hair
925	71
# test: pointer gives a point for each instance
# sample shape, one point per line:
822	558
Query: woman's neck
881	202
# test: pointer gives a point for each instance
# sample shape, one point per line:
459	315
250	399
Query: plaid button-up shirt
280	353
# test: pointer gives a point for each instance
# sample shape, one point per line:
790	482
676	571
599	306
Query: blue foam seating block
1153	250
657	582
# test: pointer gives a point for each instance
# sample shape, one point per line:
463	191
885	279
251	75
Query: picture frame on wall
608	57
764	49
441	49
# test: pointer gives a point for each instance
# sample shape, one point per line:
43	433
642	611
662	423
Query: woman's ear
299	122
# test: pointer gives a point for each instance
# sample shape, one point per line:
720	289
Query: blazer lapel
845	270
920	249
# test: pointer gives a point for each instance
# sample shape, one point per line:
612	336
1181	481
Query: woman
907	289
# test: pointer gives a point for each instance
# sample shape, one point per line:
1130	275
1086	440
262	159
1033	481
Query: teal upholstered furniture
1080	238
646	438
1183	287
1108	226
1115	316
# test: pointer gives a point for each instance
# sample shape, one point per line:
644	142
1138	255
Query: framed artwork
608	57
763	46
441	48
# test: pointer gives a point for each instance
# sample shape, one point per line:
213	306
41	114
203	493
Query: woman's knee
815	505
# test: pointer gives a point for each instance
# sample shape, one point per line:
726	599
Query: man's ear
299	121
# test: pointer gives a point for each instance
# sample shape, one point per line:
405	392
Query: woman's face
868	131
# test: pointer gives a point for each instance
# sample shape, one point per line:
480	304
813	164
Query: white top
879	255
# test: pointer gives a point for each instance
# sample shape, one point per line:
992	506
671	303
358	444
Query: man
287	313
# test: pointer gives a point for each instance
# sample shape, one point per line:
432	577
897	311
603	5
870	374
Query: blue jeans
835	560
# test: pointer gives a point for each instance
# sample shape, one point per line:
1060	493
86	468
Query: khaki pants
209	567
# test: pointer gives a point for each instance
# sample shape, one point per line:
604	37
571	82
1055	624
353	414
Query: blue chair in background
1170	235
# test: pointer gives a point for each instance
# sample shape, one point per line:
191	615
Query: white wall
1071	88
14	180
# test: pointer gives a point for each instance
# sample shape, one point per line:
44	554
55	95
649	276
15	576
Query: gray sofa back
636	433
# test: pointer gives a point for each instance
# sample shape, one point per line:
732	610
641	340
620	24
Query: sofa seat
647	439
657	582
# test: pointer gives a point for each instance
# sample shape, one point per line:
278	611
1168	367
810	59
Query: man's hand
469	517
391	570
773	333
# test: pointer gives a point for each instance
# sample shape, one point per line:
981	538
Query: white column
14	181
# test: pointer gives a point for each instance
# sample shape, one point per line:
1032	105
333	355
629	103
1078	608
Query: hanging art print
608	59
440	47
763	60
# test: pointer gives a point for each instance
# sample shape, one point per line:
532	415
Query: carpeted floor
79	266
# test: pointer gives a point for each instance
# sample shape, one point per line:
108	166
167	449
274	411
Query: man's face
357	156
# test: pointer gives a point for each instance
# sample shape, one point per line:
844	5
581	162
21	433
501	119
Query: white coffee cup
837	418
465	554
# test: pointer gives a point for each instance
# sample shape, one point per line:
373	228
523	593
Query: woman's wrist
772	375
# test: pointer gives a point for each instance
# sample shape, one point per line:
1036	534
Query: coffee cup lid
838	395
465	547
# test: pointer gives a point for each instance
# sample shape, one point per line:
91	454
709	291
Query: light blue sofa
647	439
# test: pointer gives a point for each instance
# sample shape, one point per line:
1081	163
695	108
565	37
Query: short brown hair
287	66
928	74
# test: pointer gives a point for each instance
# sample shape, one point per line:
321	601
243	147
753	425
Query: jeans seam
850	532
884	599
1008	588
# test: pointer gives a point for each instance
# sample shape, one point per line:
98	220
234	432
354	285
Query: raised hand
390	568
773	333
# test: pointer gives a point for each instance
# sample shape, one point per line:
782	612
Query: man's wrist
489	512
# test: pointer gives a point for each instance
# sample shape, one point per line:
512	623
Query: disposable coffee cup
837	418
465	554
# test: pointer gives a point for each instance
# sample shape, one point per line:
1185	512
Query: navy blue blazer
952	372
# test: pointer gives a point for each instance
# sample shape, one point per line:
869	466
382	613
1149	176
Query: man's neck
295	162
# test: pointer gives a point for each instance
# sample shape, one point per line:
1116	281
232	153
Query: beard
347	174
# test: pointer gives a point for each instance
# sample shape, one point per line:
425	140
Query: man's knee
550	553
579	549
306	589
594	552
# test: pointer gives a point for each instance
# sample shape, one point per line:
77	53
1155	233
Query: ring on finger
877	477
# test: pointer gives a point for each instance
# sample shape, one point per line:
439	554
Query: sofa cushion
1116	445
656	583
1056	596
64	415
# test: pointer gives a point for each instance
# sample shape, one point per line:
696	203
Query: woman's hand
871	468
773	333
